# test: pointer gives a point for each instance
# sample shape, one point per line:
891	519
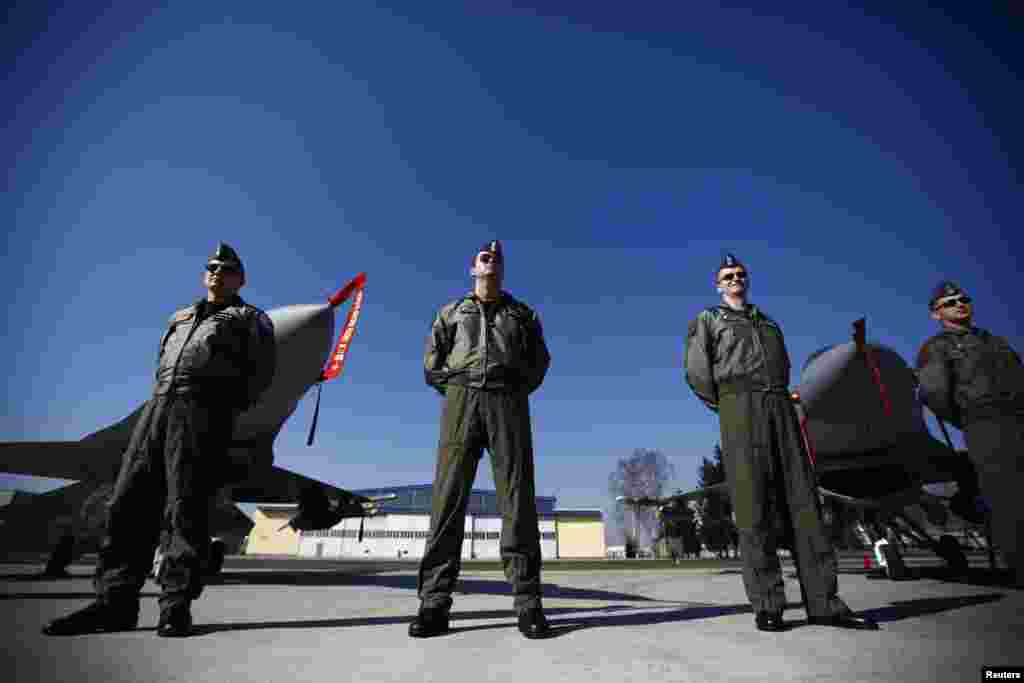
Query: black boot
967	506
532	623
97	617
175	621
60	558
769	621
845	620
429	621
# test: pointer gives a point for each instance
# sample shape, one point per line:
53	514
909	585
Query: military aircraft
303	334
866	436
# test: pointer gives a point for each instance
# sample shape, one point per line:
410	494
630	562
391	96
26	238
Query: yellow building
400	530
267	537
580	533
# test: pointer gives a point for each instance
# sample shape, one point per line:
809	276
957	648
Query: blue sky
850	159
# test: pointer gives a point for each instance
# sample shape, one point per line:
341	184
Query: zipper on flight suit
181	350
483	339
757	337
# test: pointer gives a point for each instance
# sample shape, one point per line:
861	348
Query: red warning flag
337	359
869	358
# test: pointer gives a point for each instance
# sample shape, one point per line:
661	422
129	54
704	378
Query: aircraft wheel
216	559
158	565
950	551
895	569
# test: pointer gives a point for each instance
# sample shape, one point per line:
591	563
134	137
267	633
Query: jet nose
303	338
303	333
822	374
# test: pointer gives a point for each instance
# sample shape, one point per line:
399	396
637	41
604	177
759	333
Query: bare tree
644	473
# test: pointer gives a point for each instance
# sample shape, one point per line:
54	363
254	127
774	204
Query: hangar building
400	529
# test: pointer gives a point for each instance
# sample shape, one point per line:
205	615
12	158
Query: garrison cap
228	256
942	290
494	247
729	261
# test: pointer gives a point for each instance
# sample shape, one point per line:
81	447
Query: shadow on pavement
408	582
90	595
565	620
975	576
560	626
905	609
38	577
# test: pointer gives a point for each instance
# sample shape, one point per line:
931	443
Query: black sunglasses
487	258
220	268
950	303
729	277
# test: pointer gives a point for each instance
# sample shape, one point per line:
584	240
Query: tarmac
298	620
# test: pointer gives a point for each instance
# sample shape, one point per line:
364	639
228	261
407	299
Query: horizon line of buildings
399	530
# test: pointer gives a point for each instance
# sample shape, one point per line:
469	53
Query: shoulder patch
924	355
520	311
183	315
445	311
264	323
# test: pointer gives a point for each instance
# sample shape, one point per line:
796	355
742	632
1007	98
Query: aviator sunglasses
949	303
487	258
220	268
729	277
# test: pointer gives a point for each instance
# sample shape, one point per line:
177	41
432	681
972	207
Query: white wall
396	535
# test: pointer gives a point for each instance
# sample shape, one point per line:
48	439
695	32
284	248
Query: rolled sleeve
539	358
436	354
698	362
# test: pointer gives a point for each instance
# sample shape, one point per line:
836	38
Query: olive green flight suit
737	364
485	358
975	380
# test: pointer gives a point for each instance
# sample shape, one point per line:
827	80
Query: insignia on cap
944	289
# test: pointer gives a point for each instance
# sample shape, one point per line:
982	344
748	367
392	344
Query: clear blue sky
851	160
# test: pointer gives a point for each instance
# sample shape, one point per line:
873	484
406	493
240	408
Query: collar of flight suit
974	329
502	297
751	311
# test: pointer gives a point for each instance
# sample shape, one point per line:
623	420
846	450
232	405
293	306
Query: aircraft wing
696	494
58	459
320	505
278	485
95	457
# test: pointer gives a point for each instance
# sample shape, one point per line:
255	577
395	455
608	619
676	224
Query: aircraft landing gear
949	550
895	569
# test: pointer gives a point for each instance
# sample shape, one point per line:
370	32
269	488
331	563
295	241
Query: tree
691	540
716	528
644	473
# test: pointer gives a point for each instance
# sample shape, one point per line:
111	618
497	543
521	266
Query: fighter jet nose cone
822	372
298	318
303	334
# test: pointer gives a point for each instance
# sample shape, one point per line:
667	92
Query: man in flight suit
216	358
485	355
736	362
974	380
